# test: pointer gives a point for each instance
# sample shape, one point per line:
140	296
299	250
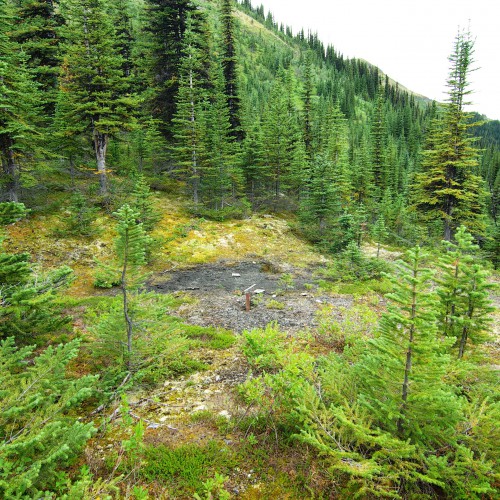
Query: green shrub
211	337
39	434
343	326
239	210
185	468
78	219
275	304
352	266
285	366
262	347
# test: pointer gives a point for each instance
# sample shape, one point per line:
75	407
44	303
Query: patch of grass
286	281
201	416
210	337
275	304
184	469
219	422
185	365
340	326
357	288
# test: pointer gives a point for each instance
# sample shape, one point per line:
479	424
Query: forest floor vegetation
192	426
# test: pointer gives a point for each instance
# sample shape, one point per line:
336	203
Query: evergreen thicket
193	91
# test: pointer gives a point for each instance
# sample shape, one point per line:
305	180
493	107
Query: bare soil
218	290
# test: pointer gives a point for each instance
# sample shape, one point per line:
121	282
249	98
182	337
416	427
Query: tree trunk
101	145
128	320
465	330
409	355
194	156
10	169
447	230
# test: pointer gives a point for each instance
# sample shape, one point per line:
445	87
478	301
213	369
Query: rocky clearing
280	293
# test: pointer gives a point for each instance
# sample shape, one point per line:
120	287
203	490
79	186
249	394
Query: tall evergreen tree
223	180
378	134
281	138
93	84
18	107
229	66
319	203
307	98
448	188
166	24
37	30
379	232
125	37
337	149
362	175
189	119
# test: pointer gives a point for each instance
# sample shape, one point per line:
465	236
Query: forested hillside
144	138
245	115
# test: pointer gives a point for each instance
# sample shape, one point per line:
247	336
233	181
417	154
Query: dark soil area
230	277
220	301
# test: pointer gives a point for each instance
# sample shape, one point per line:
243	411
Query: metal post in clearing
247	297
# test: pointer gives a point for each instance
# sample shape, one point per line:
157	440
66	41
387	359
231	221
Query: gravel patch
220	301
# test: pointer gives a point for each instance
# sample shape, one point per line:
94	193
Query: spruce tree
127	272
378	135
166	25
189	120
379	232
19	106
143	204
94	87
464	293
362	174
40	436
125	37
222	178
37	30
230	68
474	323
307	98
26	295
319	202
281	138
79	217
252	165
402	371
131	248
337	147
448	187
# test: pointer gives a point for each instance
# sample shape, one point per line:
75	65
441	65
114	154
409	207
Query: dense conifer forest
143	139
